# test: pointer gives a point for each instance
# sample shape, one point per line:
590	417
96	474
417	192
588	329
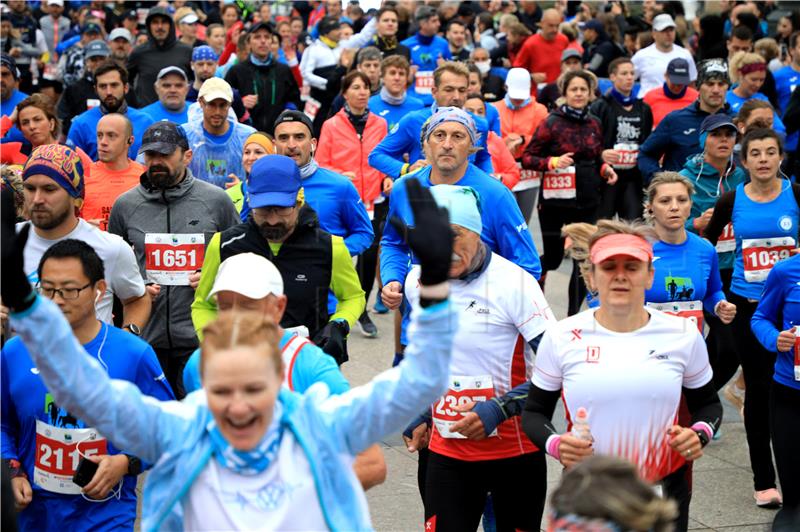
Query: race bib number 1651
171	258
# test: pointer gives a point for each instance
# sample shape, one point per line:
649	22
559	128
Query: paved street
723	490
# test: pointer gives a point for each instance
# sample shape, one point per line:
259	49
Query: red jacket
339	149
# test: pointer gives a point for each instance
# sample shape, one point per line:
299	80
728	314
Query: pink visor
621	244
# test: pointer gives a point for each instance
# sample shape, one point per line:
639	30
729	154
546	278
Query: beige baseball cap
248	274
214	88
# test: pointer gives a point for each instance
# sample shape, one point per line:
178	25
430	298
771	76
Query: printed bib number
58	453
462	391
761	254
311	108
528	179
559	183
628	155
423	82
727	241
171	258
691	310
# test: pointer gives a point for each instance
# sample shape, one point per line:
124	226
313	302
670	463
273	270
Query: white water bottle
580	426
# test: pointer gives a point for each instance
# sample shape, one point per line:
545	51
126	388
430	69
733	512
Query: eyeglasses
280	211
66	294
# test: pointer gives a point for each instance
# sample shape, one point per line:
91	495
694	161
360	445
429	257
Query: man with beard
111	85
283	228
53	188
120	41
204	66
161	50
168	219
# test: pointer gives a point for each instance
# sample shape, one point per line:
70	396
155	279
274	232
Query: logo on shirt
785	223
659	356
35	371
679	288
521	227
576	335
301	278
384	112
592	354
689	131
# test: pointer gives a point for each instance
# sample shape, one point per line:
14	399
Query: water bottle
580	425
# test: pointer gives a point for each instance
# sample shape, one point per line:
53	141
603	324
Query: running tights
785	429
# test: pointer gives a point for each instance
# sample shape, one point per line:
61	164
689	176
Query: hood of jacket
171	37
166	195
709	185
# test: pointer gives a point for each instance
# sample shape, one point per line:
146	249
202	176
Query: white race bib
423	81
311	108
559	183
171	258
58	453
628	155
462	390
761	254
727	240
691	310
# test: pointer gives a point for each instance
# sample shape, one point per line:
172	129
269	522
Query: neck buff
510	104
671	95
577	114
358	121
386	43
621	98
258	62
392	100
251	462
309	169
330	43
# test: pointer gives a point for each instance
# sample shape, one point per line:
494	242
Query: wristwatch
703	437
134	465
133	329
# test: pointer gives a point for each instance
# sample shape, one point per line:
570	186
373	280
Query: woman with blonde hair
621	370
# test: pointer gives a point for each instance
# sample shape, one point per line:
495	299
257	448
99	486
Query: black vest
305	261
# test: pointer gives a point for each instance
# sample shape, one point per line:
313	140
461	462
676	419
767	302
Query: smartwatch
133	329
703	437
134	465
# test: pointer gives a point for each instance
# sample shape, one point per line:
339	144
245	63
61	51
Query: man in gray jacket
169	220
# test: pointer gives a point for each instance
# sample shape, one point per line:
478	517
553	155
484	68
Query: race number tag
727	240
423	81
628	155
761	254
559	183
797	358
691	310
58	453
311	108
527	179
171	258
462	391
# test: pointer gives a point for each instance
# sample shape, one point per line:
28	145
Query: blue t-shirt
774	219
157	112
83	131
393	113
786	80
780	307
425	52
686	272
736	103
7	109
311	365
25	400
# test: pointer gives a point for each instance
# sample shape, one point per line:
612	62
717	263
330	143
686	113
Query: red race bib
628	155
58	453
559	183
761	254
727	240
462	391
423	82
691	310
171	258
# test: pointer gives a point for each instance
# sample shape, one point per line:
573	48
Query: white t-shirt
121	270
499	312
650	65
630	383
284	497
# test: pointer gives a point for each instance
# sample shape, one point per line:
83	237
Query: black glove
431	238
15	288
333	340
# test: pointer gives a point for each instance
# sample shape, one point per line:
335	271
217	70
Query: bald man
113	173
541	53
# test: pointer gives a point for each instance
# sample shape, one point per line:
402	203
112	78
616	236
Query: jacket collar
170	194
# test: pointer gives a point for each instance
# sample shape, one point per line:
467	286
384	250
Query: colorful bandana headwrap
451	114
204	53
60	164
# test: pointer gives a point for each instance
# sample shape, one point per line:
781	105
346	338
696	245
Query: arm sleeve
313	365
387	157
513	237
766	320
203	309
538	415
362	38
653	148
714	293
395	255
344	284
547	370
142	425
307	65
367	413
704	405
360	235
723	211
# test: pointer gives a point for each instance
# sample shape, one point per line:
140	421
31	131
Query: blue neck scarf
621	98
251	462
308	169
513	107
258	62
577	114
424	39
671	95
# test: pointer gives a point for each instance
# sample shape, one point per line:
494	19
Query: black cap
9	62
131	13
327	25
91	27
678	71
261	26
164	137
291	115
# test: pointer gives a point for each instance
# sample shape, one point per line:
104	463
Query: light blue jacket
173	435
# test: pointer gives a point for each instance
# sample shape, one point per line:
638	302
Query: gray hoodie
192	207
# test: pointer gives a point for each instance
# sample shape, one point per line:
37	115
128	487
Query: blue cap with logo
274	181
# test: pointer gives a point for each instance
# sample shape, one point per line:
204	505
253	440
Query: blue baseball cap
274	181
717	121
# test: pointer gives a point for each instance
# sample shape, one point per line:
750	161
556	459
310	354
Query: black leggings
526	199
676	487
623	197
758	366
551	220
722	352
785	430
456	492
368	260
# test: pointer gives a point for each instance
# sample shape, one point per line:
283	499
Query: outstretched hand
15	289
431	238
